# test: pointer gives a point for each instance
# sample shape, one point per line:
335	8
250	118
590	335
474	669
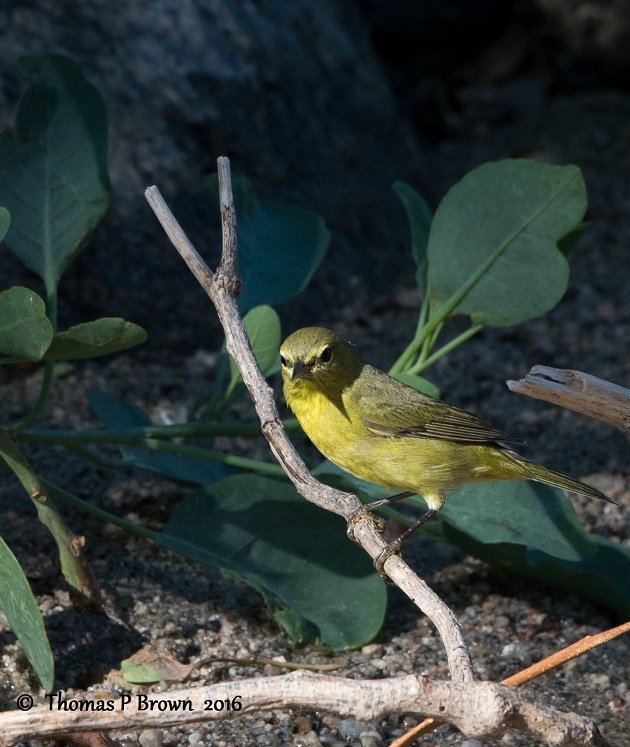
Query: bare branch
345	504
578	391
228	269
479	709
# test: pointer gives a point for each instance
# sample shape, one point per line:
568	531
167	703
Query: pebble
370	739
373	649
303	723
600	681
516	650
378	663
310	739
350	728
151	738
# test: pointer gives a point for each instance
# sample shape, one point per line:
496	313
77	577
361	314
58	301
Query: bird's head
316	357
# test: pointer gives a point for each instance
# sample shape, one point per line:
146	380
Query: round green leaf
520	512
493	248
533	530
25	330
279	248
93	339
53	168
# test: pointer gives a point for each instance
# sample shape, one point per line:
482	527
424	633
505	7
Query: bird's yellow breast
425	466
331	427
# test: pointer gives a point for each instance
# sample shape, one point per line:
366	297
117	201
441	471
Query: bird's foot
390	549
360	514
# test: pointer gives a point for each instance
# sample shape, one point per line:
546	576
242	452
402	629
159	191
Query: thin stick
528	674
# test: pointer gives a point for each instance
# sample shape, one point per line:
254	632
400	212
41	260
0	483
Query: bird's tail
539	473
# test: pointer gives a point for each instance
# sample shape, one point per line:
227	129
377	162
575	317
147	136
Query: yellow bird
388	433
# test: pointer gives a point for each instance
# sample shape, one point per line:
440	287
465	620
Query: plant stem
179	430
446	348
411	350
123	438
99	513
73	564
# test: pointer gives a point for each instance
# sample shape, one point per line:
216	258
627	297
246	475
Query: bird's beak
301	371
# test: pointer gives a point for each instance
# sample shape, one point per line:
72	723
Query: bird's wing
391	408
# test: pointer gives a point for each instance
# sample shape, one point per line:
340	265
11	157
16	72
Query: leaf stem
123	438
178	430
99	513
411	350
423	363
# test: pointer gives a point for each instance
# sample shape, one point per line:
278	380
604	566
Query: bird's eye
326	355
283	360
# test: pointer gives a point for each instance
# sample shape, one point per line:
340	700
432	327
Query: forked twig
548	664
221	287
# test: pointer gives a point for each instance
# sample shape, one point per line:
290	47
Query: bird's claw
363	513
390	549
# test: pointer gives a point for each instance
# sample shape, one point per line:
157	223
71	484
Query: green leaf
279	248
493	248
93	339
602	577
263	329
420	217
418	382
53	168
317	582
20	607
25	330
533	530
5	222
536	516
115	413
